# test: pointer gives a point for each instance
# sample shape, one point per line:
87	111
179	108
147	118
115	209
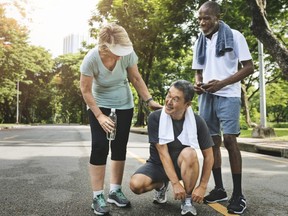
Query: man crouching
174	134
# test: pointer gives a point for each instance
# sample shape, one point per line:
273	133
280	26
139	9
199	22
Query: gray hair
186	87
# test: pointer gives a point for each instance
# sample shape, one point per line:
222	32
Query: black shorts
156	171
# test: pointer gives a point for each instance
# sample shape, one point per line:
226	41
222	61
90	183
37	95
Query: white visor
120	50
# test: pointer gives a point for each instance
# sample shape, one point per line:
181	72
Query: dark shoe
216	195
237	205
160	196
99	205
117	197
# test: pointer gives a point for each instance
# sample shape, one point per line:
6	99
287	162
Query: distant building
73	42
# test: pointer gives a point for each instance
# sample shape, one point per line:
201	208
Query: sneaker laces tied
120	194
101	200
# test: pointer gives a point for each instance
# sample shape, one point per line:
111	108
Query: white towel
188	135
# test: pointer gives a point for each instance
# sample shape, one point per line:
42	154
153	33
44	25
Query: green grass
281	133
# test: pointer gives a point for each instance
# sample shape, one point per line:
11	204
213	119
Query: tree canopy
163	33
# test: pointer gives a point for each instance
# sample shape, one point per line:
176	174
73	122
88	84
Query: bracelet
147	101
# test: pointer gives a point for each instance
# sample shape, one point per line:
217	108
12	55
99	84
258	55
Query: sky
52	20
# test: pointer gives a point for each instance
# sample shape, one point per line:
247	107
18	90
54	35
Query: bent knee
136	185
190	153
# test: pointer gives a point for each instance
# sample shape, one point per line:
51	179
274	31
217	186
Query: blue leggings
100	144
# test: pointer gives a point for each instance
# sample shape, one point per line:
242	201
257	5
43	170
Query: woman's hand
154	105
106	123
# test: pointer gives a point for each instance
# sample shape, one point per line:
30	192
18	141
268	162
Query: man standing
174	133
221	60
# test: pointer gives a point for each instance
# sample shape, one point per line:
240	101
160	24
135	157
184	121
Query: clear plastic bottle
113	117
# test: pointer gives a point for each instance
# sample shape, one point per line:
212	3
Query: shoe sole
231	211
157	202
112	201
236	212
215	201
98	213
188	213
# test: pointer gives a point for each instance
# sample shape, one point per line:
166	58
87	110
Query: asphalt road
43	171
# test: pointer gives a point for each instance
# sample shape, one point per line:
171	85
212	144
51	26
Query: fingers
107	125
180	196
197	199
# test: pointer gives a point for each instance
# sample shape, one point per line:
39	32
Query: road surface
43	171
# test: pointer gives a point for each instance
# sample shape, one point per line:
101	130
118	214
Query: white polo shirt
219	68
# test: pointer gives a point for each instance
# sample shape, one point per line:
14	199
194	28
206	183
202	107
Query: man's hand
212	86
198	88
198	194
179	191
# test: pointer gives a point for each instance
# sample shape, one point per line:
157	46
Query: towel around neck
224	43
188	135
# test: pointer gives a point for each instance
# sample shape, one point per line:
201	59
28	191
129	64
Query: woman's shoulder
92	53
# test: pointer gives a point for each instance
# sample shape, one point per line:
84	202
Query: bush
279	125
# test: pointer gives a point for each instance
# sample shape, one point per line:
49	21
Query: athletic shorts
156	171
220	113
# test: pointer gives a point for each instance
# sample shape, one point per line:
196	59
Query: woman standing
105	74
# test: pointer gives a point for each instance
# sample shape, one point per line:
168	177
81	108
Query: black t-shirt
175	147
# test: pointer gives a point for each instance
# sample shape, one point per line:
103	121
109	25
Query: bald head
213	8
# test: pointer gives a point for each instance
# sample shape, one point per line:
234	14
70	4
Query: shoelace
101	200
160	193
120	194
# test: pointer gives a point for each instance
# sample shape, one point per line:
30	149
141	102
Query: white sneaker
188	209
161	196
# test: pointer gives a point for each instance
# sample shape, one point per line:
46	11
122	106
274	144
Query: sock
114	187
237	186
217	174
188	200
96	193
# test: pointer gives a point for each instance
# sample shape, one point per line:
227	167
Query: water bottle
111	135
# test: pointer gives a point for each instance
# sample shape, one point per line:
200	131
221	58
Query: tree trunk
260	28
140	120
143	112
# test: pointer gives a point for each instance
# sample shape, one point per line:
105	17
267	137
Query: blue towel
224	43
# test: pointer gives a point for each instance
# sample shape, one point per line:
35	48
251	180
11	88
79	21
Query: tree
12	63
66	89
35	92
28	65
274	44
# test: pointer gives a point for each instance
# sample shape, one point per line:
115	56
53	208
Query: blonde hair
112	34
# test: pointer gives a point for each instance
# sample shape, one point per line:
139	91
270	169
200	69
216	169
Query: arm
198	82
140	86
199	191
215	85
86	90
179	191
